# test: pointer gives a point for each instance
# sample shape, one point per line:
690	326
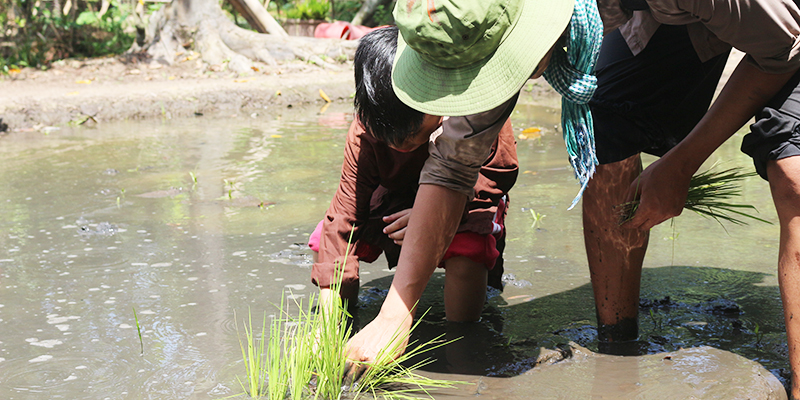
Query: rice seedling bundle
305	357
709	195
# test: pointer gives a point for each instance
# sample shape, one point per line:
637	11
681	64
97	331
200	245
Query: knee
784	181
464	269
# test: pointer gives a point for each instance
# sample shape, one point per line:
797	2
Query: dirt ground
116	88
97	90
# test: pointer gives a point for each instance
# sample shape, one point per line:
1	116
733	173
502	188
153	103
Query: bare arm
663	186
437	213
447	180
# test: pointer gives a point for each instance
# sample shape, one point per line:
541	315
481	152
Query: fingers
393	217
398	236
353	370
396	230
647	217
640	222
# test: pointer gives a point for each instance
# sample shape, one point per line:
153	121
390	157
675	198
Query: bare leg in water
784	180
615	254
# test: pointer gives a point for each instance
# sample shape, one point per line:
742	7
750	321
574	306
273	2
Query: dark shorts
650	102
776	133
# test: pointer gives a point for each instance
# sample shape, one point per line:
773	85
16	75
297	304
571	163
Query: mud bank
79	94
89	91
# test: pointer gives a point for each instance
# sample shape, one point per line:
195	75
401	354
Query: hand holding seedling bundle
660	192
708	194
381	334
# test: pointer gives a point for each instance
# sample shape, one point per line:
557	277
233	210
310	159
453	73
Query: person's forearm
437	213
747	90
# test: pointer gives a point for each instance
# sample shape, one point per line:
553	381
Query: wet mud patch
700	372
102	229
701	310
297	254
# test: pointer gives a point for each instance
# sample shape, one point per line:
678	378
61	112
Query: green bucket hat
462	57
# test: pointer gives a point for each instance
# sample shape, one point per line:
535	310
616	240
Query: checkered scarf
570	74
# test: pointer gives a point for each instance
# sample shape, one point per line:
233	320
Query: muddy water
186	225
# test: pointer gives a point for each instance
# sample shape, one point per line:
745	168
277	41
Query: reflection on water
190	221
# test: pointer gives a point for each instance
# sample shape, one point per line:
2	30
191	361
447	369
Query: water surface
193	223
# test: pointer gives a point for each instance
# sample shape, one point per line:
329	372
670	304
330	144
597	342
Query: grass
709	195
305	357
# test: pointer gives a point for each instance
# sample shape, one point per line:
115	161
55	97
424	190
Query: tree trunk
367	11
258	17
201	24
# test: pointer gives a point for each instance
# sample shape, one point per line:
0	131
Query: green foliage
33	33
308	9
344	10
383	16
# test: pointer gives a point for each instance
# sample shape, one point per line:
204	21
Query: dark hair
380	111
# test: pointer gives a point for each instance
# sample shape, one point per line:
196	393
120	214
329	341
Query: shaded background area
195	222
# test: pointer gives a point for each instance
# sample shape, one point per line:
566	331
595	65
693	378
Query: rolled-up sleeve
348	210
767	30
461	146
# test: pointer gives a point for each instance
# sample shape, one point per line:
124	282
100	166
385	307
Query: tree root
203	25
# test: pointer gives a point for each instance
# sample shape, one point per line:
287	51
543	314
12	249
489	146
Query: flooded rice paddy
185	226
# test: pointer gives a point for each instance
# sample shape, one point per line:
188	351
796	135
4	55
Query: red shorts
478	248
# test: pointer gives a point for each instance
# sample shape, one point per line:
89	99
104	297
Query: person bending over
386	148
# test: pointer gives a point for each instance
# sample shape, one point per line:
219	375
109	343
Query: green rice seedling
332	332
759	335
709	195
253	356
537	218
138	330
229	184
299	351
276	368
657	321
306	356
119	198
